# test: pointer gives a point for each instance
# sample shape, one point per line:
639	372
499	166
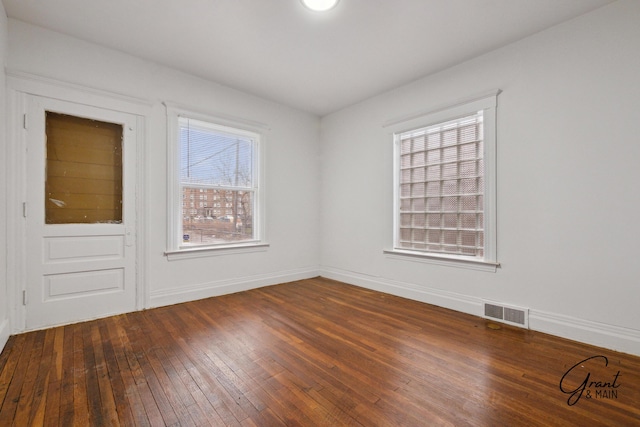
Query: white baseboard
598	334
437	297
612	337
5	332
229	286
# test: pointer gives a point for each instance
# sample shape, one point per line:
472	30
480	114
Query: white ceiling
279	50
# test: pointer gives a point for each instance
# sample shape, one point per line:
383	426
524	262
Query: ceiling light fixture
320	5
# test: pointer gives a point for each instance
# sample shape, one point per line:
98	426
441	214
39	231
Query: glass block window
440	199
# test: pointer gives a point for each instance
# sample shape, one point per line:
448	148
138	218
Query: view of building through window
217	183
212	216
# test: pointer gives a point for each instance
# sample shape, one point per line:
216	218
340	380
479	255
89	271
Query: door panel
64	249
61	286
81	212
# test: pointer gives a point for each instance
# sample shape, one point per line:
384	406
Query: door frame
19	87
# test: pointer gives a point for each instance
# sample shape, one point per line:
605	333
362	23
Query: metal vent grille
507	314
514	316
494	311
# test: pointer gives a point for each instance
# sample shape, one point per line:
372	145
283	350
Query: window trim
175	250
488	104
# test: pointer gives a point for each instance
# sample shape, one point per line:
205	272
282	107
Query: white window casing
444	209
223	157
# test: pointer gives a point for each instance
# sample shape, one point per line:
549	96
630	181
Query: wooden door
80	212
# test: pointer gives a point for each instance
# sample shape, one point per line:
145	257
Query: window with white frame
221	162
445	169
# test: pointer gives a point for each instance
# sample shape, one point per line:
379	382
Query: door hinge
24	209
24	297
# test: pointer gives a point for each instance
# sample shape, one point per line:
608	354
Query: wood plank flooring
310	353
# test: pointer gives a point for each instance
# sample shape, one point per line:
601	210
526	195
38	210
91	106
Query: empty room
319	213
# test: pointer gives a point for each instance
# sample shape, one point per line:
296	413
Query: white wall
568	175
291	149
5	327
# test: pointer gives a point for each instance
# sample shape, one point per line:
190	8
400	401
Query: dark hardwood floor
310	353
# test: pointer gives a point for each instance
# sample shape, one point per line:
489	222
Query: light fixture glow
320	5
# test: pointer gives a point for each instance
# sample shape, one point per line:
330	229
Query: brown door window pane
83	178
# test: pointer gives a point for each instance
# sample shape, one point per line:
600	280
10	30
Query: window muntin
442	188
217	163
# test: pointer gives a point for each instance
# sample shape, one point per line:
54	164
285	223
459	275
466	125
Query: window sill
209	251
446	260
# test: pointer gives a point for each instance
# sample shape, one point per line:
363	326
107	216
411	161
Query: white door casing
78	271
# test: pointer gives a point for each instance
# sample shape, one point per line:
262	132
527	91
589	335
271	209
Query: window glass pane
468	203
450	171
405	161
468	169
468	238
418	159
450	204
468	221
417	189
468	186
406	146
433	140
433	156
433	188
469	133
419	220
450	237
418	175
417	205
450	154
418	143
433	204
449	137
214	157
434	221
227	220
450	220
468	151
217	168
450	187
433	236
83	170
433	172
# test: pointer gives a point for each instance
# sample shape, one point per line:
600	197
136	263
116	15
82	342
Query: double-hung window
445	185
213	161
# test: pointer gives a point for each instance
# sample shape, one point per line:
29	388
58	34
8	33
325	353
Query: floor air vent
517	316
